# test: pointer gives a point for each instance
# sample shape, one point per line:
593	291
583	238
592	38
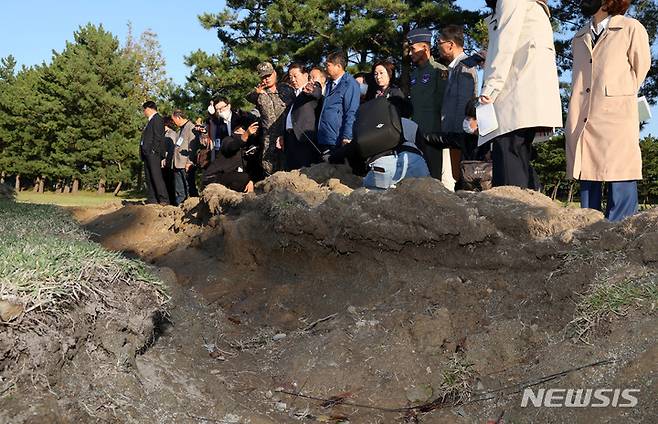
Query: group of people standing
173	149
311	114
611	58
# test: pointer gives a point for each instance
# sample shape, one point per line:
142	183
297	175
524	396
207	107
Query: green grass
457	379
615	299
606	300
47	262
82	198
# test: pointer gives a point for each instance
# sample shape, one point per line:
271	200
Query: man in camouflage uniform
272	99
428	82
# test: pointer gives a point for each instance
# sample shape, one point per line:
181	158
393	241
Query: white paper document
643	109
487	122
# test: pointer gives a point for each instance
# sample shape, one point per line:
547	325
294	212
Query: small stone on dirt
279	336
10	310
280	406
420	393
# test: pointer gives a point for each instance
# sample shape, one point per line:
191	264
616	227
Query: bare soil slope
411	305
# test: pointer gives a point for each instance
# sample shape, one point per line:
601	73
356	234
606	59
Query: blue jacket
339	112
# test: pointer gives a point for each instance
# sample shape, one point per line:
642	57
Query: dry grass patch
48	264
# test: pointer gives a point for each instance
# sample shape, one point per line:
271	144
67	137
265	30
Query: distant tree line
550	165
75	122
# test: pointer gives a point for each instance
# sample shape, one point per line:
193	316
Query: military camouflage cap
264	69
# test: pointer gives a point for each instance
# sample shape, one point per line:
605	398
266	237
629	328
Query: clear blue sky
31	29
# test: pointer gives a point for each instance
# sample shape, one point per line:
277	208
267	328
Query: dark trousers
273	158
350	153
168	175
622	198
299	153
156	188
511	157
180	186
192	191
434	159
330	148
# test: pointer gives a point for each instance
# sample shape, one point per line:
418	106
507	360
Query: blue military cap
420	35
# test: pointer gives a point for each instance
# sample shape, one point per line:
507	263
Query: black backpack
378	128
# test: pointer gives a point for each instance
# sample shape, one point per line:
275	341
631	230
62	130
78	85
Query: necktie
330	86
596	37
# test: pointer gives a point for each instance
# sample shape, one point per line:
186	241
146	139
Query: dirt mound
411	305
524	214
144	231
324	173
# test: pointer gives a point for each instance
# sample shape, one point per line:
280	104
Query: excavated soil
314	300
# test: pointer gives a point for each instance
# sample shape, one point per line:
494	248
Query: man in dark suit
152	152
224	122
301	120
460	89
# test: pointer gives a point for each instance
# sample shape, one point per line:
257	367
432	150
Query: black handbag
476	175
378	127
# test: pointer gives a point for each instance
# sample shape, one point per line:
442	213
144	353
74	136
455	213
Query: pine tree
7	81
95	119
24	131
284	30
648	186
151	80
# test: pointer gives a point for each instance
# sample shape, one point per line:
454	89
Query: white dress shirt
455	62
289	117
600	28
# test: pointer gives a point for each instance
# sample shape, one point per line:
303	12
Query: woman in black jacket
383	74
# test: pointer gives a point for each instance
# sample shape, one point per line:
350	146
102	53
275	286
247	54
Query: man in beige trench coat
611	58
520	78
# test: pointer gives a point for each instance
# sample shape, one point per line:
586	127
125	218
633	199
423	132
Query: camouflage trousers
273	158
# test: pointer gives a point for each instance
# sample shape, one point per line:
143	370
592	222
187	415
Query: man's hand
308	88
279	142
242	133
245	134
163	163
485	100
346	141
252	129
249	188
260	88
